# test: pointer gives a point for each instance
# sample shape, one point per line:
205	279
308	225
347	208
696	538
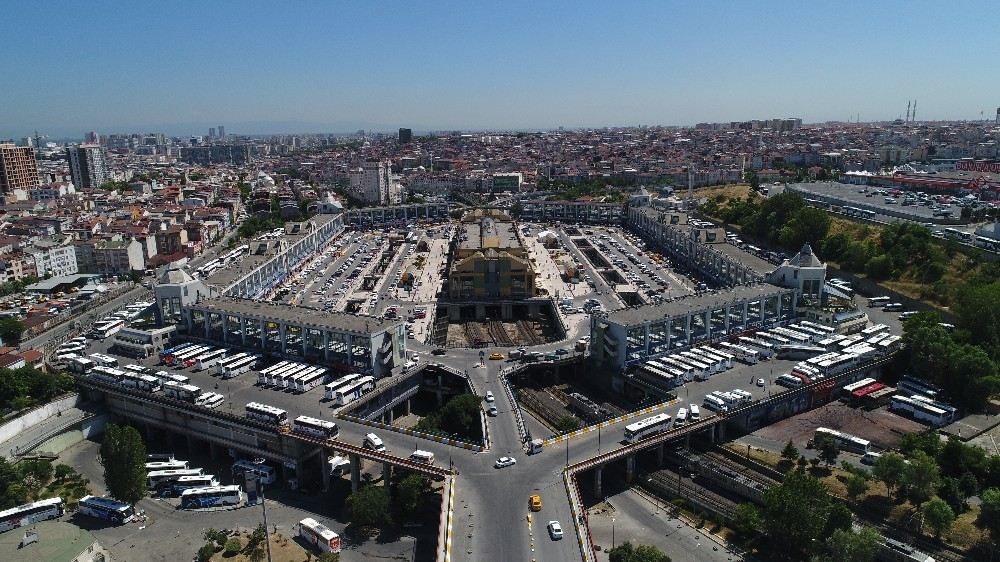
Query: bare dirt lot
883	428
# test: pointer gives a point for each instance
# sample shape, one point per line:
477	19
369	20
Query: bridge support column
722	431
687	441
191	446
389	416
597	481
387	477
408	406
355	472
150	433
213	451
659	455
324	468
629	469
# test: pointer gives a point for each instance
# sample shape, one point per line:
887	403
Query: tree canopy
369	507
123	455
627	552
800	513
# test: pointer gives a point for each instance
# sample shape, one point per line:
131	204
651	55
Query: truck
535	446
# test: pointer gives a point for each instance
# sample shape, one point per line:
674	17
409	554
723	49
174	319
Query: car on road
535	502
555	530
496	356
562	351
438	351
489	396
760	382
491	410
505	461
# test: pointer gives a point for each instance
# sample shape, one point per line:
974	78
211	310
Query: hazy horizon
334	68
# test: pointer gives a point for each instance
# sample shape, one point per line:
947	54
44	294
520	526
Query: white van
374	443
870	457
425	457
694	413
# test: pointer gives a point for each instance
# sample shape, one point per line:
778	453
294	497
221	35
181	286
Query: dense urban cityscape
771	338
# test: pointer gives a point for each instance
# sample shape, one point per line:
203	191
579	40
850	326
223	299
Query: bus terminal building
636	334
346	342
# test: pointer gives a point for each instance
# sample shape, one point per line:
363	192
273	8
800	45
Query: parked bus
193	360
354	390
81	365
107	375
172	464
878	302
284	378
166	377
319	535
104	329
229	359
264	472
178	359
644	428
107	509
211	496
828	330
183	392
315	427
239	367
158	478
103	360
310	380
31	513
169	353
922	410
210	359
264	376
209	400
267	414
178	486
138	369
846	441
715	404
145	383
330	389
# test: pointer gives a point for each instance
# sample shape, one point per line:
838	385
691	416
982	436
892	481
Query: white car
760	382
489	396
505	461
555	530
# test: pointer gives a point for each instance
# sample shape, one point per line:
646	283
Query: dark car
438	351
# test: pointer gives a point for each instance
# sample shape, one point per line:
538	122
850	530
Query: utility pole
267	536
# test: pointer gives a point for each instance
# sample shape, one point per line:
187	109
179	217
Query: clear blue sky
69	67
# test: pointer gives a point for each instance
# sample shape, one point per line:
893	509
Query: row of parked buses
293	376
144	379
305	425
107	509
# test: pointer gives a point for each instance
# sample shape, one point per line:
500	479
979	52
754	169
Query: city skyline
338	68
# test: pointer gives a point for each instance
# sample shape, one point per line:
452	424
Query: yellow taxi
496	356
535	503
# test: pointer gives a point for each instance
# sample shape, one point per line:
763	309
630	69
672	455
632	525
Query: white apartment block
374	184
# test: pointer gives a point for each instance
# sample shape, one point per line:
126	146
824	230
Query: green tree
123	455
828	448
11	329
233	547
747	519
64	472
567	424
888	469
938	515
921	477
989	512
410	490
206	552
627	552
369	507
845	544
789	452
927	442
328	557
797	511
856	486
977	306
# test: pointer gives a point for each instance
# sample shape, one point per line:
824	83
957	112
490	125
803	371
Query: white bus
178	486
103	360
315	427
194	359
81	365
166	377
158	478
239	367
107	375
354	390
138	369
228	360
208	360
31	513
264	472
647	427
330	389
264	376
145	383
267	414
210	400
715	404
211	496
310	380
178	359
319	535
277	377
108	509
287	378
183	392
682	417
106	328
166	465
878	302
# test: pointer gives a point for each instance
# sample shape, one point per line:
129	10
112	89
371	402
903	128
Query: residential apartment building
18	168
119	257
53	257
374	184
88	165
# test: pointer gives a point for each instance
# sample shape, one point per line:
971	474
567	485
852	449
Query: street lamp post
612	533
267	537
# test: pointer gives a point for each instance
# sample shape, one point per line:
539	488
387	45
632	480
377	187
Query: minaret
908	102
914	116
